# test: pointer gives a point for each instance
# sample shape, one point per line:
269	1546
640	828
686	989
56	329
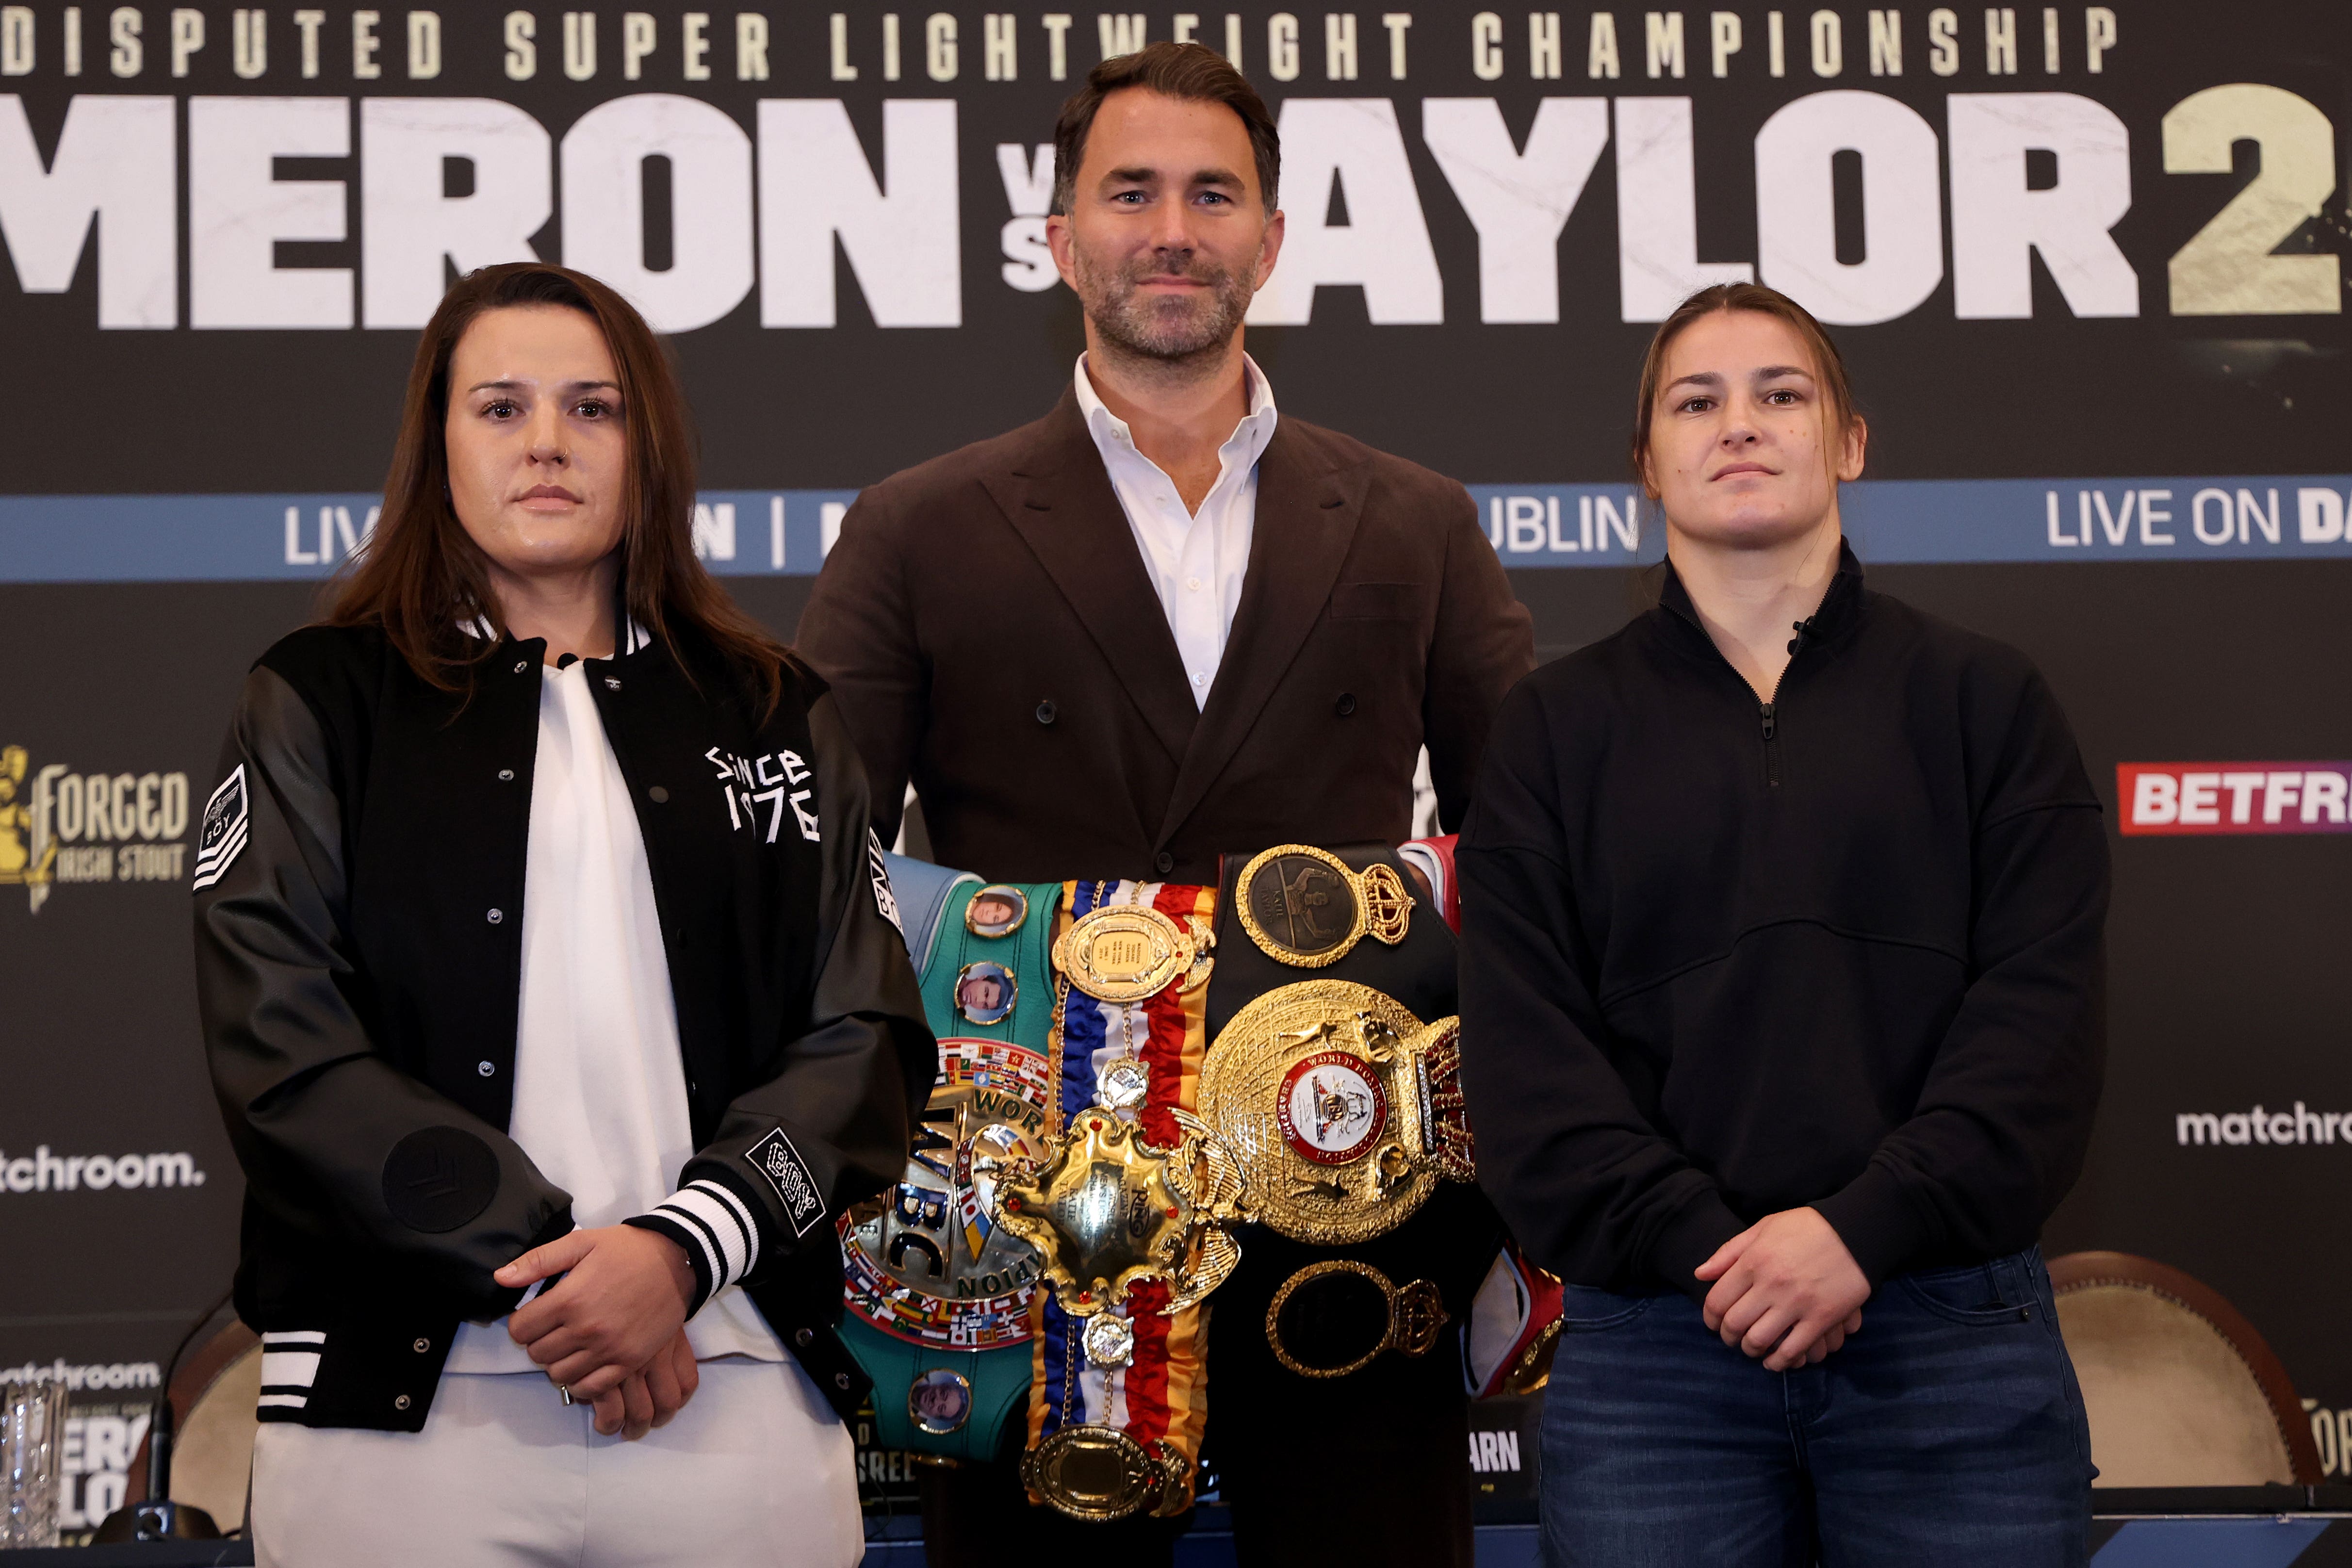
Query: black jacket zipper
1769	710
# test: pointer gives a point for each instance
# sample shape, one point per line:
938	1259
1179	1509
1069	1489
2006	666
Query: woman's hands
649	1397
1786	1290
611	1329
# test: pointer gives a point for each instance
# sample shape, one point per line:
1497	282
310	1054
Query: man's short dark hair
1192	71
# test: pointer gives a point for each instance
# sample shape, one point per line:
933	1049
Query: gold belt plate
1342	1109
1124	953
1308	908
1107	1211
1101	1473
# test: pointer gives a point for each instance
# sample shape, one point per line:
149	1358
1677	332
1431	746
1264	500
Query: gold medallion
1125	954
1107	1211
1308	908
1343	1109
1101	1473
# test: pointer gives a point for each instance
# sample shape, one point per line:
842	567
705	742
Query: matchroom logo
2282	1129
2174	798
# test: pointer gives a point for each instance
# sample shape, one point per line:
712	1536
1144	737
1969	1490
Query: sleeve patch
781	1165
885	900
224	830
438	1178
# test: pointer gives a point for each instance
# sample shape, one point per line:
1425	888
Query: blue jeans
1948	1431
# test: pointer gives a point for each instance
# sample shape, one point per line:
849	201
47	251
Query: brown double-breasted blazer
991	633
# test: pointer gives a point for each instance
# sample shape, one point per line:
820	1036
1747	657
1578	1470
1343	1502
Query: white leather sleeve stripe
292	1401
289	1369
295	1337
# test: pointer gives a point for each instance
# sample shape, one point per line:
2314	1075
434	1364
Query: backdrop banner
2087	264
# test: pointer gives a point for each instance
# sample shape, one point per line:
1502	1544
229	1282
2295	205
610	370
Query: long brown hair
422	578
1828	364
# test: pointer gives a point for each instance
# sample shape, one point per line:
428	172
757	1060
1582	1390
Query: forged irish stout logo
59	826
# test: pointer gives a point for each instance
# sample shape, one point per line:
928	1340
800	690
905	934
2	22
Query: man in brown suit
1164	623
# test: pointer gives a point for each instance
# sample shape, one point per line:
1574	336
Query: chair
2181	1390
214	1396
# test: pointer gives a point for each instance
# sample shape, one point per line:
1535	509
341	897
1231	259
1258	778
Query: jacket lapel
1058	498
1305	522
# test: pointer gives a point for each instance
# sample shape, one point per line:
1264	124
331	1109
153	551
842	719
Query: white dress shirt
1196	559
600	1079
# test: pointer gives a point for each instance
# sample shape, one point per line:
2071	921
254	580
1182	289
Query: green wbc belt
937	1297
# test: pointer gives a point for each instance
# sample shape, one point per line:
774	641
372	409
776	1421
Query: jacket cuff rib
1690	1238
1876	1221
714	1228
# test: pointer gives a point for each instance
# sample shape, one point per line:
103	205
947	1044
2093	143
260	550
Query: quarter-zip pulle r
1768	710
1868	983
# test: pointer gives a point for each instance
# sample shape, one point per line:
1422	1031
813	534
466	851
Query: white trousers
756	1471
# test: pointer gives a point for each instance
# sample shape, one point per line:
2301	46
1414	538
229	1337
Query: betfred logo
2233	797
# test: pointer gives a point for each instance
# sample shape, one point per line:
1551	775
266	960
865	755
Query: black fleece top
1842	949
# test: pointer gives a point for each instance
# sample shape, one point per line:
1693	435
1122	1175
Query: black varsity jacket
359	888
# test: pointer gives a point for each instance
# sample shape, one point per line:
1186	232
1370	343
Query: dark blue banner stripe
257	538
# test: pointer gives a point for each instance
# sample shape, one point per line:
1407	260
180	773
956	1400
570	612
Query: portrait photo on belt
1163	626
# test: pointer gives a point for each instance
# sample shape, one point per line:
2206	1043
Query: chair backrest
2181	1390
214	1398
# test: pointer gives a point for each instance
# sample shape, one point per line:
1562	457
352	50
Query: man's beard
1163	328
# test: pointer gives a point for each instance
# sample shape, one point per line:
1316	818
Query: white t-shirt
600	1081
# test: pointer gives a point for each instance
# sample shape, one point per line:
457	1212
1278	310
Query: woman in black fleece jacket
1784	1018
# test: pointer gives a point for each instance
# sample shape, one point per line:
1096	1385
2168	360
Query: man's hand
621	1300
1786	1290
649	1398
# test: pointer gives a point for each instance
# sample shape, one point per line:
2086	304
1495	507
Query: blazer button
1165	862
803	1337
841	1381
1346	705
658	795
421	1346
488	1069
506	776
520	664
1045	711
496	915
402	1403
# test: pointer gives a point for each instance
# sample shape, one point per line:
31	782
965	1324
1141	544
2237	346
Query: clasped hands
613	1331
1786	1290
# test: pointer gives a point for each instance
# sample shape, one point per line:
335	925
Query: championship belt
1130	1209
938	1294
1334	1077
1344	1110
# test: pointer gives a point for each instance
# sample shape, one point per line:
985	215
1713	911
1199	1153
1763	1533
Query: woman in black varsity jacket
553	996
